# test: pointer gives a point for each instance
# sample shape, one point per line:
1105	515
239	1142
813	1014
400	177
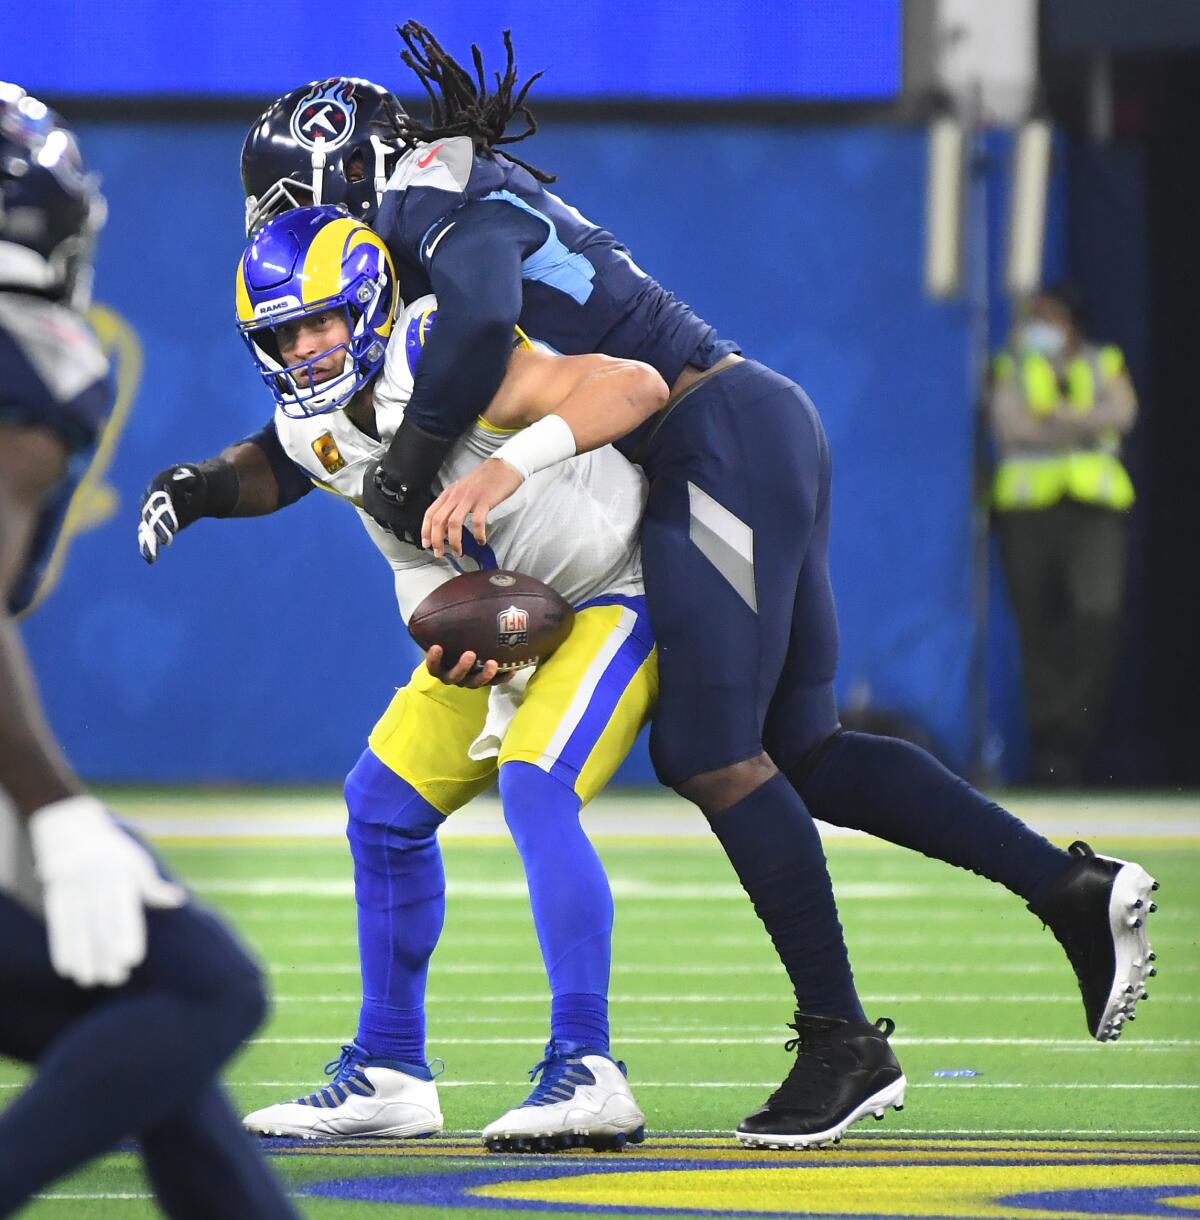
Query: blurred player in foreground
126	996
341	369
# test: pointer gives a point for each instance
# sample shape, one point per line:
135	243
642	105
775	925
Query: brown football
497	615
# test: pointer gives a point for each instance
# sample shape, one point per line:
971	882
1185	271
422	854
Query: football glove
397	490
97	882
180	495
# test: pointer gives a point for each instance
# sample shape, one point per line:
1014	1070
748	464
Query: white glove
158	524
97	882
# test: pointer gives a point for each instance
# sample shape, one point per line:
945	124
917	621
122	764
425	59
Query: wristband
221	487
543	444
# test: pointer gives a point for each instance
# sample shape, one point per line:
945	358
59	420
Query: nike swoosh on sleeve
433	245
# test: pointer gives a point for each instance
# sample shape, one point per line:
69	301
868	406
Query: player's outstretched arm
566	405
248	479
96	878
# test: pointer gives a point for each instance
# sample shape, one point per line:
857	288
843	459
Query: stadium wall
263	650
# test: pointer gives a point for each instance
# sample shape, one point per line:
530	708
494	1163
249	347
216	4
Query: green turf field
698	1009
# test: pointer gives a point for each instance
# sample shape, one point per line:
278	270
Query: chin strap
318	168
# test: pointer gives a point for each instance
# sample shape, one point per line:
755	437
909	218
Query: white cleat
582	1101
363	1100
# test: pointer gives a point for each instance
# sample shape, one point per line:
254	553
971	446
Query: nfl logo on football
512	627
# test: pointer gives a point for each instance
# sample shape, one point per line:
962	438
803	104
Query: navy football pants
734	546
137	1061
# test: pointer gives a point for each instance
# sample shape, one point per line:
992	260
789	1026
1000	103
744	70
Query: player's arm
575	404
96	878
600	398
473	257
33	770
250	478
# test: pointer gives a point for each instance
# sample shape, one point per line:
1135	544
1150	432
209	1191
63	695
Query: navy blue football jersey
53	374
582	292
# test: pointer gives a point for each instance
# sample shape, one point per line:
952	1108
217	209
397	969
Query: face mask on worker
1045	338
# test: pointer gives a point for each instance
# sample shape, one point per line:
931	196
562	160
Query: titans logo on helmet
325	112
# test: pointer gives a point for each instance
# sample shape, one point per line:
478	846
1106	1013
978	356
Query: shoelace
813	1069
560	1075
348	1077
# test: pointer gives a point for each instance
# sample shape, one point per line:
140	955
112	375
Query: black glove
398	489
181	495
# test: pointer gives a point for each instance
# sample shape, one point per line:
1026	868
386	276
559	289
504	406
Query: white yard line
718	998
715	970
627	888
672	1038
740	1084
616	814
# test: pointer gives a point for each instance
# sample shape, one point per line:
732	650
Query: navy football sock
897	792
202	1163
773	845
571	901
400	891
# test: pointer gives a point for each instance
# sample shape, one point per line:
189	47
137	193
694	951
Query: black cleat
843	1072
1091	911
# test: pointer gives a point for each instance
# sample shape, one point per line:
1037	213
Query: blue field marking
1110	1201
1069	1179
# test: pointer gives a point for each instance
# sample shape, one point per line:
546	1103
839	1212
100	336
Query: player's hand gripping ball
502	616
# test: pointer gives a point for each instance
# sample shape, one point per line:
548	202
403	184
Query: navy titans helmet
328	142
50	209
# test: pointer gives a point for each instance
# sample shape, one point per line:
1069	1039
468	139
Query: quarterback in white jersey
582	540
341	366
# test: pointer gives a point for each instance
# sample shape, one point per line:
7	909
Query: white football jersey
573	526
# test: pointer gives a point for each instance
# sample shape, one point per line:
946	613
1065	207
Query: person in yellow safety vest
1059	406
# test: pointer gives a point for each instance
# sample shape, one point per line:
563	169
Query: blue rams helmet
329	141
50	209
312	261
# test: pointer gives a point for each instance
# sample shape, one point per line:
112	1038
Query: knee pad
381	804
392	831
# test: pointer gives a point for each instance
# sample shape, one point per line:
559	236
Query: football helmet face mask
50	208
312	261
324	143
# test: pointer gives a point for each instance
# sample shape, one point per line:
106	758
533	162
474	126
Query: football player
739	470
341	370
127	996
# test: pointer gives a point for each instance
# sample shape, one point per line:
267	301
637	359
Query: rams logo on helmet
325	112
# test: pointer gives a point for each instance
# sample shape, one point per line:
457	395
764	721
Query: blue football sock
400	891
897	792
773	845
581	1019
571	901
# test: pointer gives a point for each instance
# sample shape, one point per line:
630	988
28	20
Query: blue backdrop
820	49
264	649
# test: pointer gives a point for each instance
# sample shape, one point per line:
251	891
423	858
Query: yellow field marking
724	1148
829	1188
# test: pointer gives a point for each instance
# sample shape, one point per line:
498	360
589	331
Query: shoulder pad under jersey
444	165
394	385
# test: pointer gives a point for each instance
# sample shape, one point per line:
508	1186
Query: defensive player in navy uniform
737	523
126	996
316	302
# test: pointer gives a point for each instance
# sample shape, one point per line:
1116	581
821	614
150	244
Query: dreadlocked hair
461	105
